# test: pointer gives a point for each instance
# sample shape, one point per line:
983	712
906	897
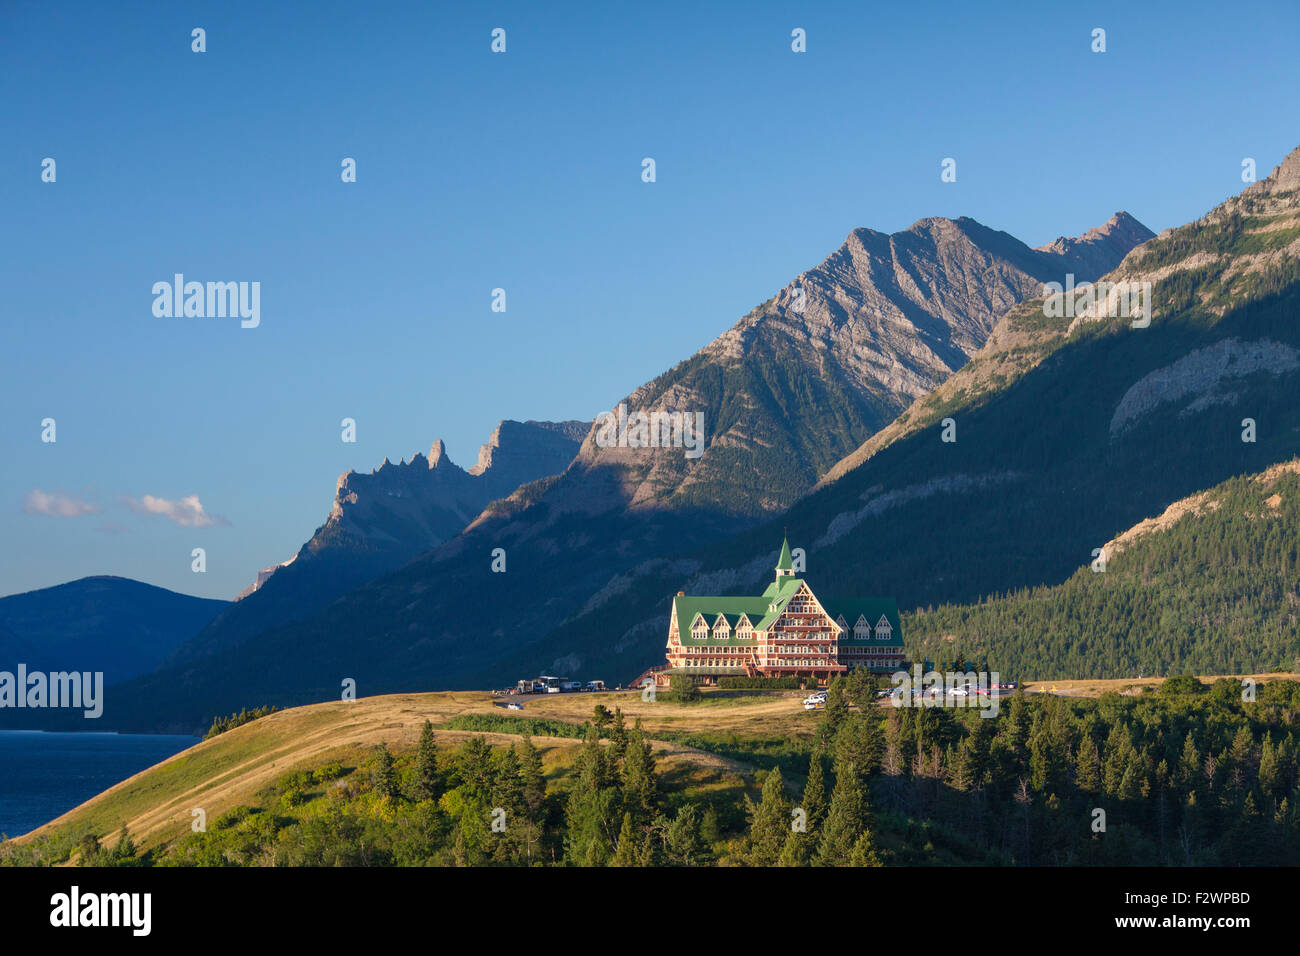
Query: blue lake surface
45	774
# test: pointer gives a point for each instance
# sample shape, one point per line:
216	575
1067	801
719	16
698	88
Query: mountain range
915	411
794	386
1069	431
381	520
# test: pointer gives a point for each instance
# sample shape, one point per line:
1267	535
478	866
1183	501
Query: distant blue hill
116	625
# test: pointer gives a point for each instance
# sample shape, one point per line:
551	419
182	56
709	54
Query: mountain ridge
787	393
381	520
102	622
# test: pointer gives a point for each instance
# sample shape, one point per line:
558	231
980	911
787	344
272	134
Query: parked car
813	702
514	705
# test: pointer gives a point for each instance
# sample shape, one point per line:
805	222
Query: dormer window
862	630
721	629
883	629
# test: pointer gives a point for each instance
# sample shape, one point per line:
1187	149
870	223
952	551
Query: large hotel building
785	631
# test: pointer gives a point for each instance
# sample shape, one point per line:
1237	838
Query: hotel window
883	630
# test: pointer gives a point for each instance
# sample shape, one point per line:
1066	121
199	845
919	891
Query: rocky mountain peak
512	441
1284	177
410	507
382	519
879	323
1100	250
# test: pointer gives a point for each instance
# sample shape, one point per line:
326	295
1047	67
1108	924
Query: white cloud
56	505
187	511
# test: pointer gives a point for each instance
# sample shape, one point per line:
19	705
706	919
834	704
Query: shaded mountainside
382	520
785	394
110	624
1069	431
1212	583
408	508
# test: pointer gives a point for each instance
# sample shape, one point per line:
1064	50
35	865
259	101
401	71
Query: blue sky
521	171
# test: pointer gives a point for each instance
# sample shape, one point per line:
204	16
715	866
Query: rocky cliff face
385	518
832	358
519	452
411	506
263	576
1099	250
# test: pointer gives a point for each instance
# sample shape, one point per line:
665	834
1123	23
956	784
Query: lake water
45	774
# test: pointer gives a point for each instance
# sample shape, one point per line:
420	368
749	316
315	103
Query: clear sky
519	171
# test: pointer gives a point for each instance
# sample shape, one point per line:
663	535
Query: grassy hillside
1187	772
235	767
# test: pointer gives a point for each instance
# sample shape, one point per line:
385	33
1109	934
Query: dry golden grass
1132	685
230	769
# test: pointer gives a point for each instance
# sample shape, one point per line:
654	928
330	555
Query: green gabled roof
732	607
782	589
785	563
870	608
777	595
764	609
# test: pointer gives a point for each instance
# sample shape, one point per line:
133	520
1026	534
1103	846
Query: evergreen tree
124	850
507	783
1189	765
639	792
383	775
796	851
1270	777
1087	765
682	843
846	820
426	765
618	735
594	807
626	853
859	742
769	823
532	780
864	852
814	793
961	775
